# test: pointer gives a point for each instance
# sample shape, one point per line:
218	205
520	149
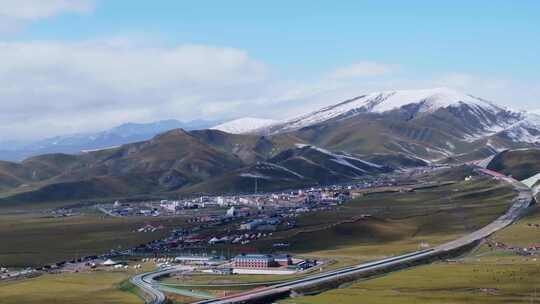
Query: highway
519	204
145	282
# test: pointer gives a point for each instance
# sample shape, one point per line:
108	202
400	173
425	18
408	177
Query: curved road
519	205
145	282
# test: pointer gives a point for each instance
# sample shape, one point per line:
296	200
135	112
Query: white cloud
54	88
363	69
518	94
16	13
37	9
51	88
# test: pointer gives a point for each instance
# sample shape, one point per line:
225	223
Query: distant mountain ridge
117	136
179	161
370	134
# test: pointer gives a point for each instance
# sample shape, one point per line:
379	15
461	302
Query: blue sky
313	36
288	51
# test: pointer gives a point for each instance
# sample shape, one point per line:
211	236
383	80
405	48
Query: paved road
519	204
145	282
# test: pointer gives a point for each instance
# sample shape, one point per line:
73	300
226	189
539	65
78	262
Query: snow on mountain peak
526	130
244	125
428	100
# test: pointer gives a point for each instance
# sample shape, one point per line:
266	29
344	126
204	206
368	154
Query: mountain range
369	134
435	125
82	142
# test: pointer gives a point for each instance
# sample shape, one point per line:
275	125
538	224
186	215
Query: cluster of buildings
531	250
231	219
261	224
247	264
244	204
328	195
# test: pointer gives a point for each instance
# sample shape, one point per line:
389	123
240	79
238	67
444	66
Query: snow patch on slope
345	163
269	166
526	131
531	181
252	175
284	169
244	125
343	159
430	100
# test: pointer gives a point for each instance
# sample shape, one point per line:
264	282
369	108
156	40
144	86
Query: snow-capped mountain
244	125
415	102
526	130
431	124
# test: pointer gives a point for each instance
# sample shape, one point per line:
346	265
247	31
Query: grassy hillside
250	148
433	136
400	221
96	187
13	175
486	275
169	161
521	164
395	160
298	167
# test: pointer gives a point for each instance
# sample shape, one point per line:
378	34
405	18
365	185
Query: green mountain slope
520	164
301	166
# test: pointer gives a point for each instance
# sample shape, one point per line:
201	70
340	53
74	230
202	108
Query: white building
170	206
231	212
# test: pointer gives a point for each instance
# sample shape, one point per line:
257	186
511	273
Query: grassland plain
36	239
102	287
484	276
400	222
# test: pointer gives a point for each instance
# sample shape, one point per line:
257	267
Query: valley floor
399	223
484	276
80	288
37	239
